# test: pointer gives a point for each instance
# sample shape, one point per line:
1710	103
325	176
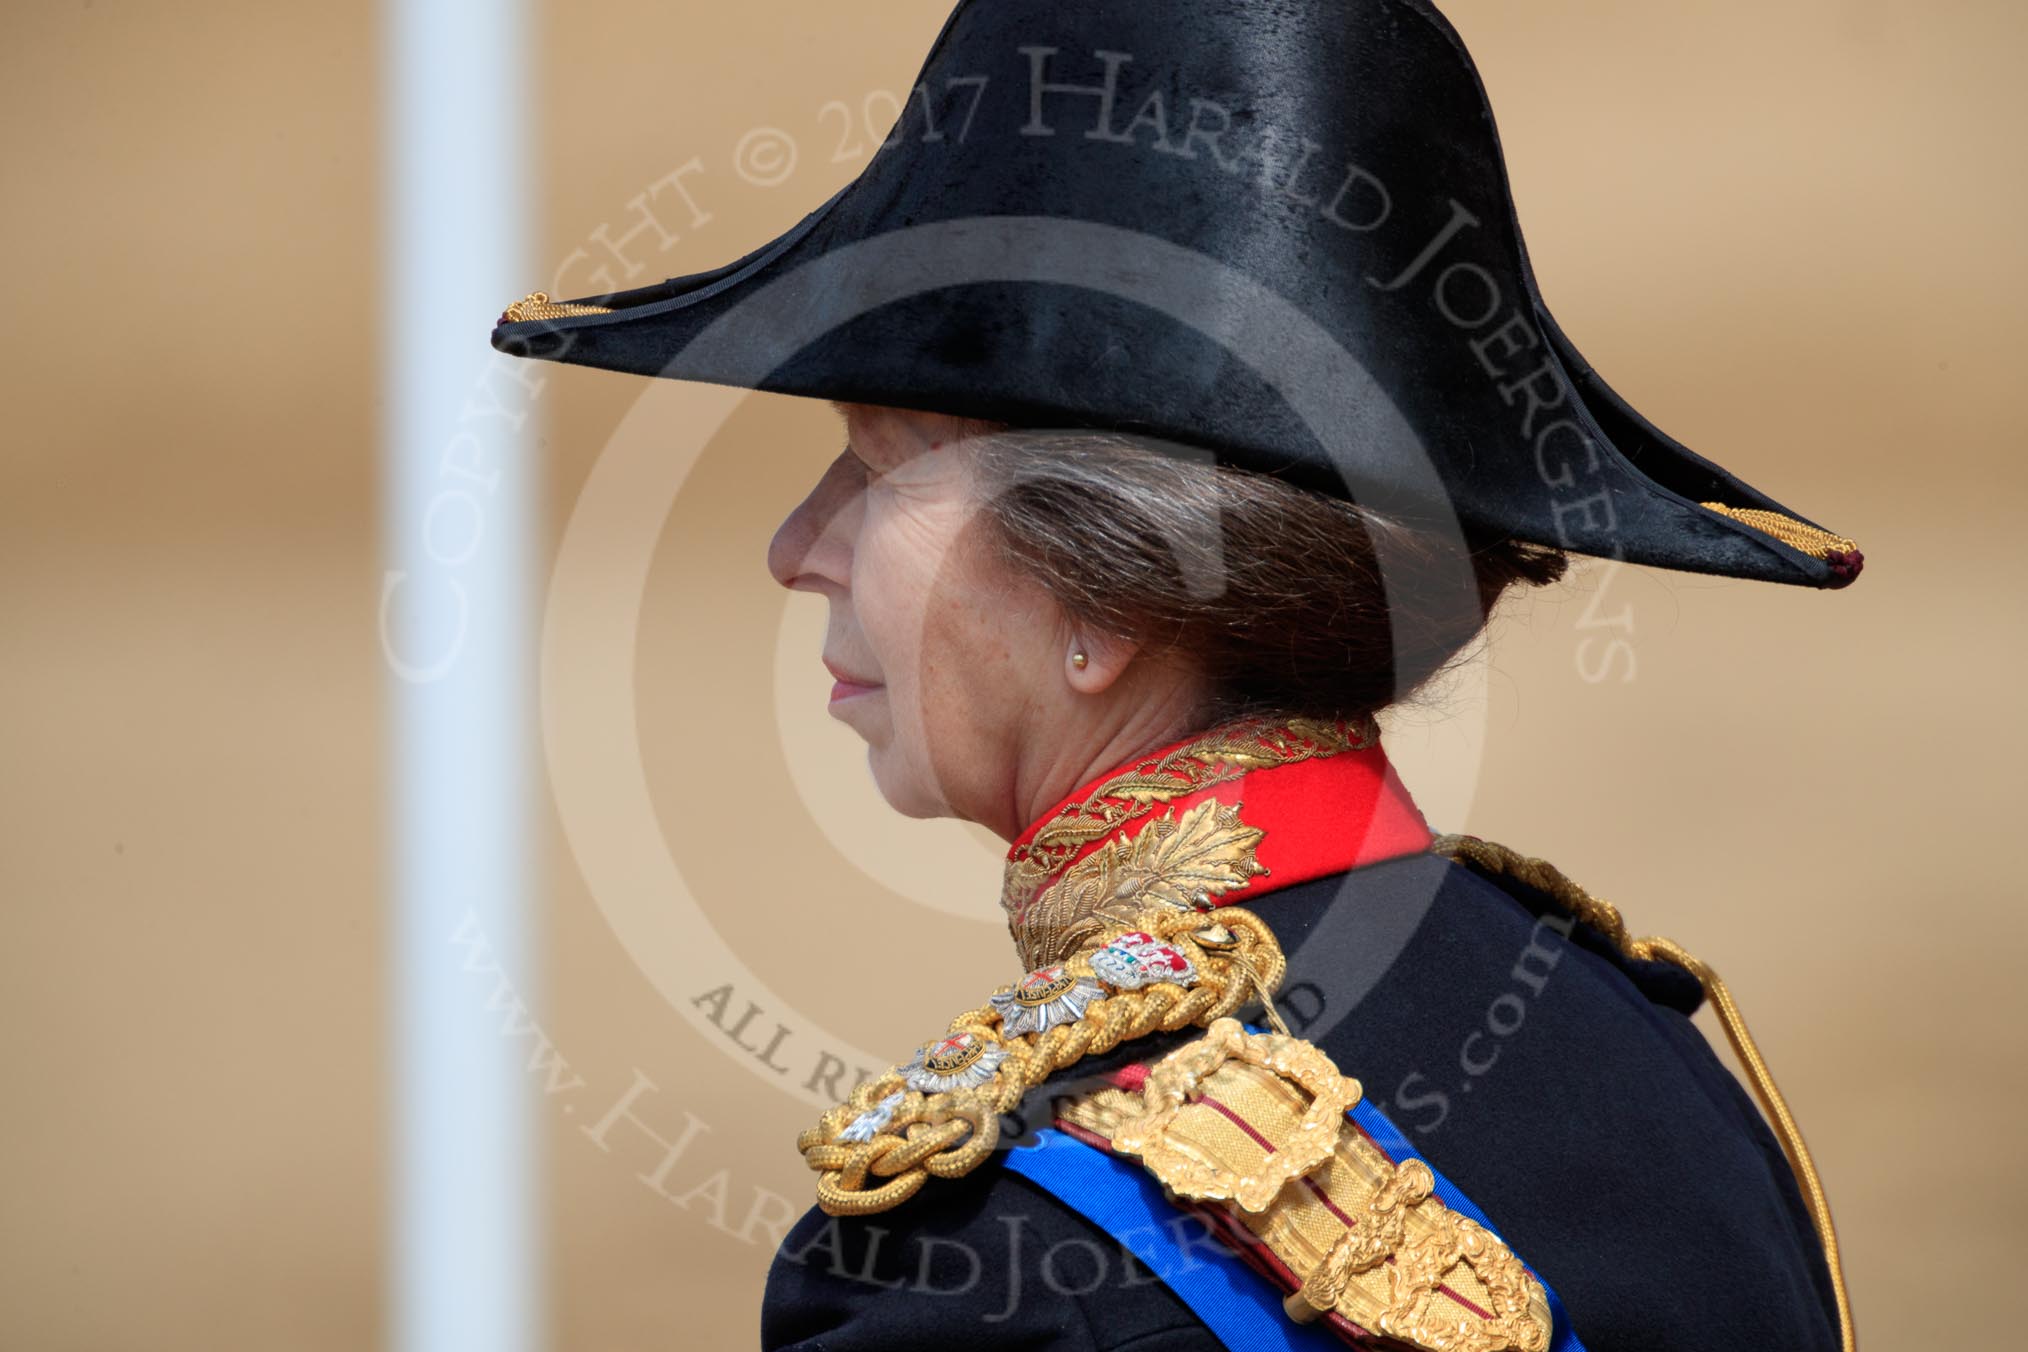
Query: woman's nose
813	545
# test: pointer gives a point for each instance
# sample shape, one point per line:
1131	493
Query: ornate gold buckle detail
1516	1321
1181	1075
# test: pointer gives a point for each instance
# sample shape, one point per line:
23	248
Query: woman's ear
1093	661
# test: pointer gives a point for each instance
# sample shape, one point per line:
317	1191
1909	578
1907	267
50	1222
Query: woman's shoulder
1564	1088
1563	1091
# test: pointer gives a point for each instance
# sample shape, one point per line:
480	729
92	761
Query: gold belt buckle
1181	1075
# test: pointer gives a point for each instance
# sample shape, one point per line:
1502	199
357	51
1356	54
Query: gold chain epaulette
1252	1125
1168	970
1500	861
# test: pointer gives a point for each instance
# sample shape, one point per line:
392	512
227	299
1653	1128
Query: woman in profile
1199	404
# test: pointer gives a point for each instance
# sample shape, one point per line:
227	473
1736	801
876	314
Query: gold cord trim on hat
1604	917
538	305
1815	541
1042	922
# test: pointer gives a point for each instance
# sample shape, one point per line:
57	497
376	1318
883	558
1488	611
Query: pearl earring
1079	660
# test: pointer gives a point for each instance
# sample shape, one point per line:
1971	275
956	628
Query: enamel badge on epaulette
960	1061
1046	997
1136	959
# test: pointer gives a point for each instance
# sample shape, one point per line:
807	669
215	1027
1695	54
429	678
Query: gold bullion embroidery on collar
1199	855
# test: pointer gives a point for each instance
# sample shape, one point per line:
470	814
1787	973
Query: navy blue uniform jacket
1562	1087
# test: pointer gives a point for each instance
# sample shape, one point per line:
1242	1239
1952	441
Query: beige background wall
1790	233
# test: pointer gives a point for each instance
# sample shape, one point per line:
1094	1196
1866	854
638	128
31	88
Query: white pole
464	1235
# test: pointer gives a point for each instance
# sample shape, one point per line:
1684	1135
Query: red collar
1250	807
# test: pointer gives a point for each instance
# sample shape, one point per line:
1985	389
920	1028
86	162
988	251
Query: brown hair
1287	601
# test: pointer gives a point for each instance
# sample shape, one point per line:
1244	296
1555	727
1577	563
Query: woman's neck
1233	811
1056	761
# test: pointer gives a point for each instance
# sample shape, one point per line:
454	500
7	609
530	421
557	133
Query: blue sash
1241	1307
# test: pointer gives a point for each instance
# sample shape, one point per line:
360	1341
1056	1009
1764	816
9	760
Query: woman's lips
846	685
844	690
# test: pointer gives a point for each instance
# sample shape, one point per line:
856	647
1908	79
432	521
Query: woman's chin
866	713
901	786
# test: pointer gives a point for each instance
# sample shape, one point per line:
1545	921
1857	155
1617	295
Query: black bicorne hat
1279	230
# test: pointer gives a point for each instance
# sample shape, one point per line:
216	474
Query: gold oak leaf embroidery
1220	756
1181	861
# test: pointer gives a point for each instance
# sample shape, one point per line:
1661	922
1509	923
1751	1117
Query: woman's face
945	660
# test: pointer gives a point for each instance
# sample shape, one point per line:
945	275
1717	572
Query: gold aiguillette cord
1604	917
